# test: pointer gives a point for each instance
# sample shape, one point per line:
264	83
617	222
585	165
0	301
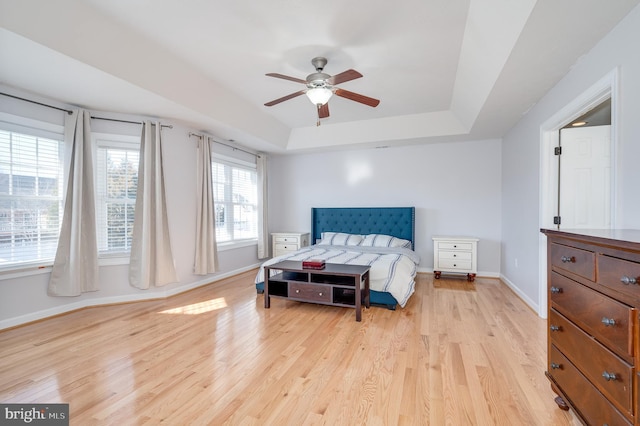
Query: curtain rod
225	144
37	103
71	112
127	121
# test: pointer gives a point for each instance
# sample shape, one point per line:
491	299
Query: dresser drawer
456	255
287	239
310	292
592	311
620	275
453	245
281	248
594	361
452	264
593	406
575	260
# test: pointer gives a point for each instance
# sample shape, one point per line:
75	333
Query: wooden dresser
593	285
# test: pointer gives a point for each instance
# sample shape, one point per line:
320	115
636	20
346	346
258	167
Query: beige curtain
75	269
206	261
263	234
152	262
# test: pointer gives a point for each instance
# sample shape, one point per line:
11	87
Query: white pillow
379	240
340	239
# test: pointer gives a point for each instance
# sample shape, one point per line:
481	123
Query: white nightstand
455	254
285	242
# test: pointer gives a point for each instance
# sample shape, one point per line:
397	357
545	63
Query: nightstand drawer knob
608	321
609	376
298	291
555	366
568	259
554	328
320	294
628	280
556	290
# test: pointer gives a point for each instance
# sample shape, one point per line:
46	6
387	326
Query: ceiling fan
320	87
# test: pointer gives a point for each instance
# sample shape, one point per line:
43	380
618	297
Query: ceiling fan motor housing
318	78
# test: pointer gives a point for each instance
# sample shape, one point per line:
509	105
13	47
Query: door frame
606	87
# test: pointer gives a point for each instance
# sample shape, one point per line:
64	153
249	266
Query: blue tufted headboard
395	221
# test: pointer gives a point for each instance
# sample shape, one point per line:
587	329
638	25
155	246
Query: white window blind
31	196
117	182
236	200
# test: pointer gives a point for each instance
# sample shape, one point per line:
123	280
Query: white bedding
393	270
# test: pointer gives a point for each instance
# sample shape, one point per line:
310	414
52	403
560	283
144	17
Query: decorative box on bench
313	264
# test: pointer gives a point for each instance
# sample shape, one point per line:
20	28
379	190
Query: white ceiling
442	69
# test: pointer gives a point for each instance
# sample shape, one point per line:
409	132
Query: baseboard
526	299
112	300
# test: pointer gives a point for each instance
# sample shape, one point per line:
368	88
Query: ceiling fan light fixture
319	95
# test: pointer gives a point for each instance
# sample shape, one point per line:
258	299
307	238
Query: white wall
455	188
24	298
521	153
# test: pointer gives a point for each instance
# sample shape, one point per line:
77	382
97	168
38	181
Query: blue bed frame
395	221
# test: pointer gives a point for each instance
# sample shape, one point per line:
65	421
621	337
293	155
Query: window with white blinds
31	196
116	186
235	195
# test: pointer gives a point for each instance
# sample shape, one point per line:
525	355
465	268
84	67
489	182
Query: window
235	195
117	183
31	196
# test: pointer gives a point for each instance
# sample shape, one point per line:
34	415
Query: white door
585	177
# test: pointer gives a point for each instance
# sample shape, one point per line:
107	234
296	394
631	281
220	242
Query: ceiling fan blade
357	97
323	111
286	77
285	98
347	75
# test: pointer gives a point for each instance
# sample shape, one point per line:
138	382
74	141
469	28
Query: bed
383	237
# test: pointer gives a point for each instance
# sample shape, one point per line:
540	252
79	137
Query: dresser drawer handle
320	294
568	259
297	291
554	328
608	321
555	366
628	280
556	290
609	376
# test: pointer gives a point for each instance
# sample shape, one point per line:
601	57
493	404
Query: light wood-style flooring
458	354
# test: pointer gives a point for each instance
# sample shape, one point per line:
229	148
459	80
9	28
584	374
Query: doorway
584	171
550	196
